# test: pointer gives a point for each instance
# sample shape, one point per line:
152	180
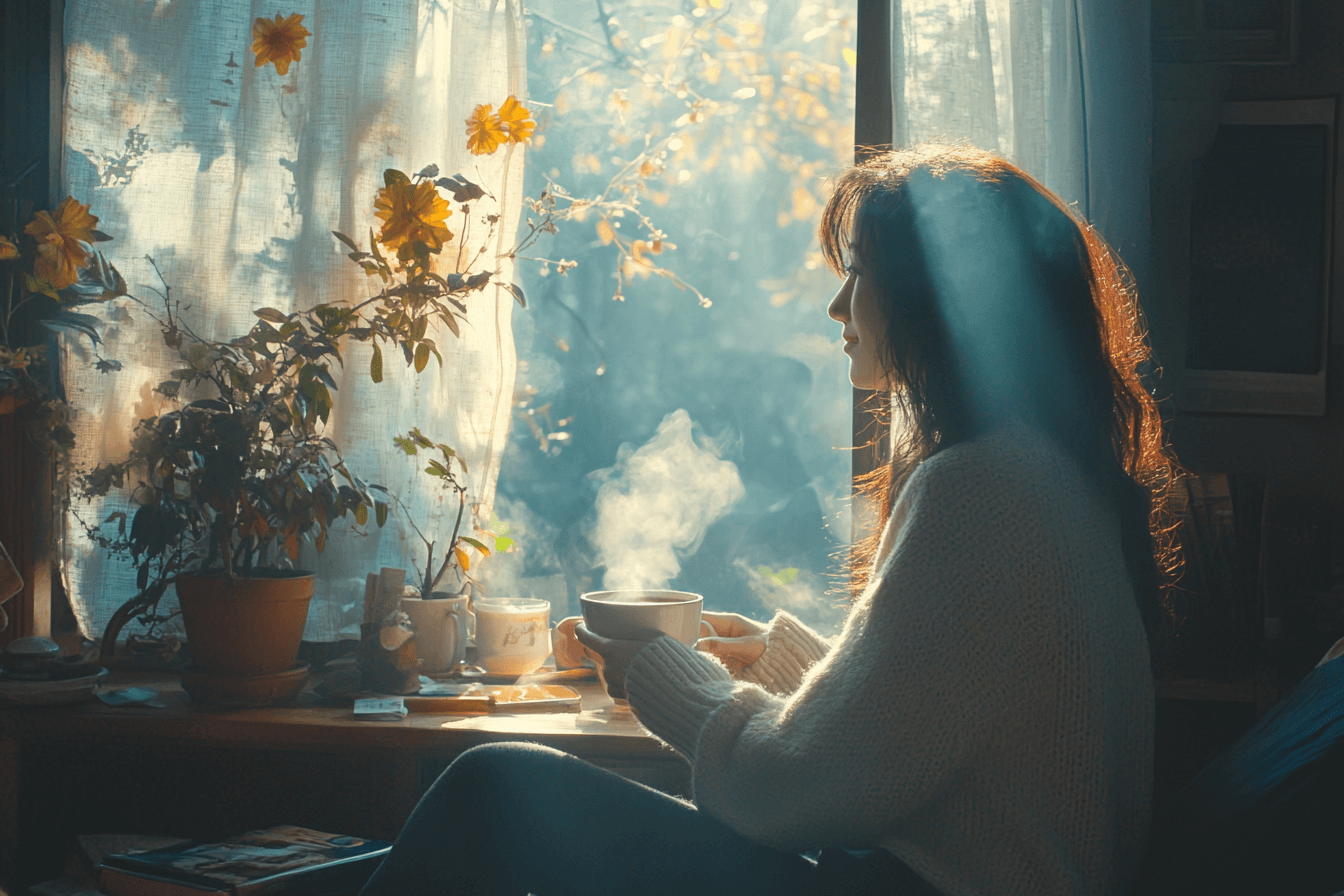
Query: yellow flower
513	115
485	132
8	250
62	242
412	213
279	41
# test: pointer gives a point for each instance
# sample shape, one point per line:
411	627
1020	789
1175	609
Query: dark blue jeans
520	818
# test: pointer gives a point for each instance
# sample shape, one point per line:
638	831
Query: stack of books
280	860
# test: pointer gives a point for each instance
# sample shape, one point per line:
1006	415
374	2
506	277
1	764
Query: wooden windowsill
196	772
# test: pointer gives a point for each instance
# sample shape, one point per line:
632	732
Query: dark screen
1257	205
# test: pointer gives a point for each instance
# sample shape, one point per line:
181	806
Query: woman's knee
503	760
492	770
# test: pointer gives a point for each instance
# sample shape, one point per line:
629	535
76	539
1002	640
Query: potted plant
231	481
438	614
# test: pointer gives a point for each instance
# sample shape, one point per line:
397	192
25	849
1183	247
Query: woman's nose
839	307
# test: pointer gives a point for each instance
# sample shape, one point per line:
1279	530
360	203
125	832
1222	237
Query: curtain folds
232	177
1062	87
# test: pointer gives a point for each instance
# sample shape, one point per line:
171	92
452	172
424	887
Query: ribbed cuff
791	648
674	689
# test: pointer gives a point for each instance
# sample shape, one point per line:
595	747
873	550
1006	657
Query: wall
1298	455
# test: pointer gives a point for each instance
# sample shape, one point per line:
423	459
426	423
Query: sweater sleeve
927	660
791	648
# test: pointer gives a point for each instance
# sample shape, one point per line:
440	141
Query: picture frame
1228	32
1261	216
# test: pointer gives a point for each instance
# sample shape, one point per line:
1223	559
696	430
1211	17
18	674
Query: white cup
440	630
642	615
513	634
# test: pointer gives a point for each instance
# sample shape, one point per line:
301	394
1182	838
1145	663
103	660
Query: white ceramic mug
440	625
513	634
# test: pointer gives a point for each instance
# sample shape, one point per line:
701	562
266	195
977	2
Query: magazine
279	860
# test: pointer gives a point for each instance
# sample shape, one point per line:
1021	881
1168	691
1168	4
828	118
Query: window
683	411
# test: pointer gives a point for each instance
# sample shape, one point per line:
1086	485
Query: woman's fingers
732	625
735	653
613	657
569	653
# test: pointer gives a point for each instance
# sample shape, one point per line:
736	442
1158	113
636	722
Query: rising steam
654	506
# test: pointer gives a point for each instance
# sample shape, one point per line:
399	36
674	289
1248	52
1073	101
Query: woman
983	724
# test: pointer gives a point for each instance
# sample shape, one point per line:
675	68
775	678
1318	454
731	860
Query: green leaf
502	544
272	315
476	544
462	189
376	364
380	513
362	514
64	324
41	287
345	239
393	176
324	375
421	357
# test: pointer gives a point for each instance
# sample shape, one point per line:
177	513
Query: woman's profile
984	722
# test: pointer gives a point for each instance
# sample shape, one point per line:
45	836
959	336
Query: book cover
279	860
83	861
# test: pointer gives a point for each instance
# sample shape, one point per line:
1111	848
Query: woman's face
856	306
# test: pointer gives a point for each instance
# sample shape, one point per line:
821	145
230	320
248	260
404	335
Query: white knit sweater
986	714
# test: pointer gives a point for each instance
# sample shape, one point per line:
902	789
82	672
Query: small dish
78	685
31	659
239	691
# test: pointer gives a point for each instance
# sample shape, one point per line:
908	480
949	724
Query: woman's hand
735	640
569	653
613	657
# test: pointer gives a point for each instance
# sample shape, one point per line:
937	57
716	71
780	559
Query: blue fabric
522	818
1266	816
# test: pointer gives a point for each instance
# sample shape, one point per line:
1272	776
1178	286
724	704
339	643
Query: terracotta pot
9	403
254	631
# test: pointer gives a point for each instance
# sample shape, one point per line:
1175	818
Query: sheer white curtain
1062	87
232	178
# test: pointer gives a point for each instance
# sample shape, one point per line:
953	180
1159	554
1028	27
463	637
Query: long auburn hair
998	300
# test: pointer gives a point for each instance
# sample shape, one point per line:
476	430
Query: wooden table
185	771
